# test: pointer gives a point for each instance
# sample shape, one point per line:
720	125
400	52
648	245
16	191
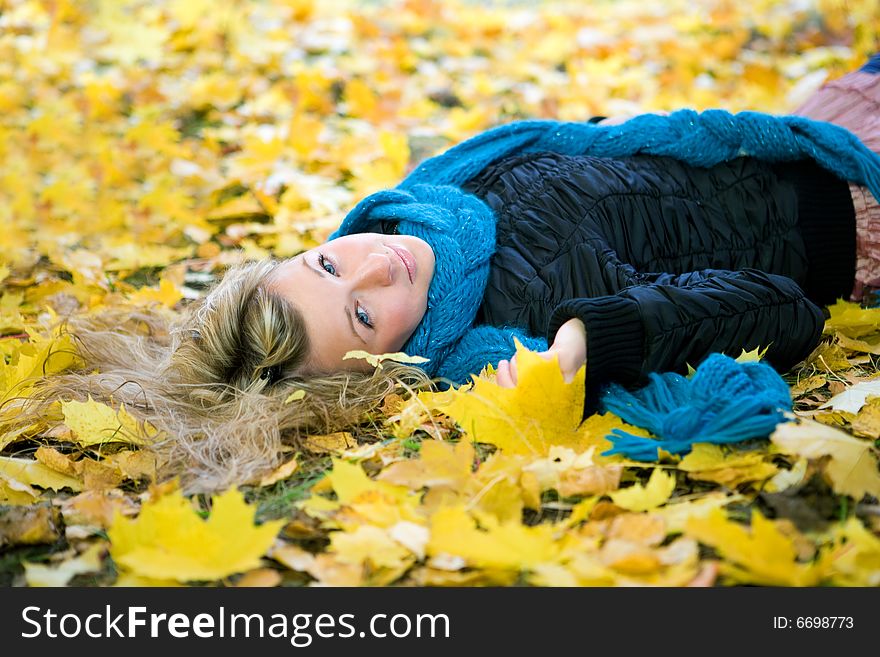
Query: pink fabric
853	102
867	242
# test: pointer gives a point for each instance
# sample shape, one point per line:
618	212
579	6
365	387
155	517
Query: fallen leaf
541	411
866	424
296	395
709	462
853	398
439	464
283	471
96	508
761	555
856	562
643	498
60	574
260	577
34	473
15	492
852	468
376	359
94	423
168	540
508	546
331	443
368	544
29	525
851	320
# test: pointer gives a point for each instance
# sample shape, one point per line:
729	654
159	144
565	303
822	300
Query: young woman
633	247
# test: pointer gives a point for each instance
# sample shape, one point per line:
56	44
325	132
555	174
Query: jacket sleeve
668	321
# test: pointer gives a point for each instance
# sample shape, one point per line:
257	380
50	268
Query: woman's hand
570	345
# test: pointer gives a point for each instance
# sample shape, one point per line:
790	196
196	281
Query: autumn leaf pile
147	145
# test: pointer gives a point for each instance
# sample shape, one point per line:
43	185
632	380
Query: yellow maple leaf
510	545
857	561
167	294
361	100
439	464
168	540
34	473
376	359
14	492
851	320
752	356
852	469
368	543
708	462
541	411
762	555
871	346
30	360
643	498
676	514
94	423
349	481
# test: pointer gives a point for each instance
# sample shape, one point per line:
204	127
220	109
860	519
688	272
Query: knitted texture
699	139
461	228
723	402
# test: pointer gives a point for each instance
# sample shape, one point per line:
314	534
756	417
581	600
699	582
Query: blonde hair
217	378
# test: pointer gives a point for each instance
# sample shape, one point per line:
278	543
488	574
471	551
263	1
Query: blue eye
364	318
324	263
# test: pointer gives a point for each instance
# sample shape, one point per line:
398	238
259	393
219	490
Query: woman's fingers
505	373
502	375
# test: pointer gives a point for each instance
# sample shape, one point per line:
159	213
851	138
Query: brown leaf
135	464
638	528
592	480
808	384
59	462
605	509
96	508
628	557
303	526
29	525
259	577
97	475
867	422
332	443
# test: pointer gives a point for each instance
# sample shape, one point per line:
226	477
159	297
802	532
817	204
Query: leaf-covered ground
147	145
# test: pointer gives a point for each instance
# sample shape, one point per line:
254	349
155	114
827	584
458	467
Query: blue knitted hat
461	230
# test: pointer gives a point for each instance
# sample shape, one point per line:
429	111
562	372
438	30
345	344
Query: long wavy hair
216	377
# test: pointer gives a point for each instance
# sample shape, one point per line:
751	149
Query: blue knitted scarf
723	402
461	228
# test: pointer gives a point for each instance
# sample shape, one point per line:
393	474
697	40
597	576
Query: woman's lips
408	261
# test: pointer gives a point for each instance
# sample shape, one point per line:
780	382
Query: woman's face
356	292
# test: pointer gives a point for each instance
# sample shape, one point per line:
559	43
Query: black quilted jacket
666	263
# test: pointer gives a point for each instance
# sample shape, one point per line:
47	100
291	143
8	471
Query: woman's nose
376	269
